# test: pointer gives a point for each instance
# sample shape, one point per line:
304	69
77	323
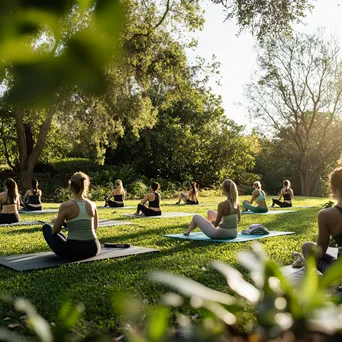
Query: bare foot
186	233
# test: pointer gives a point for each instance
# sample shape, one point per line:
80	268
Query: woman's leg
209	230
324	262
281	204
150	212
211	215
57	242
113	204
9	218
254	209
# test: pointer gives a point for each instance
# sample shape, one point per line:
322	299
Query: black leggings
70	249
9	218
188	201
325	262
147	211
281	204
28	207
113	204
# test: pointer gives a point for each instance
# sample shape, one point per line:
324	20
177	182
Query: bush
137	189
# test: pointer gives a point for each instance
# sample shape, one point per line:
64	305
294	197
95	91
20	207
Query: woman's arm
96	219
61	217
110	195
219	215
238	212
145	199
292	194
281	194
26	195
323	233
254	196
124	195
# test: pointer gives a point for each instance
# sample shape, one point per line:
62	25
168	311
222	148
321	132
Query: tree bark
29	153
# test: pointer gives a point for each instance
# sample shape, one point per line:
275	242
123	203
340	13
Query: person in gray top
81	217
222	224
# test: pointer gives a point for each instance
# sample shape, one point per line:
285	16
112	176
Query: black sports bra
118	198
338	237
155	202
287	196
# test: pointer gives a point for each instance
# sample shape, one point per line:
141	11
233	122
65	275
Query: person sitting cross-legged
81	217
287	193
153	198
258	195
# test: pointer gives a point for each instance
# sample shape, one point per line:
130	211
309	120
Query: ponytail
231	191
79	184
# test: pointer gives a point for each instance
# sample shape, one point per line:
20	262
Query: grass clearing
95	284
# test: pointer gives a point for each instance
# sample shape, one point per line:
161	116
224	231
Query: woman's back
80	219
8	205
332	219
230	218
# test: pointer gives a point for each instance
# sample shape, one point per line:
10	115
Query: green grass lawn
95	284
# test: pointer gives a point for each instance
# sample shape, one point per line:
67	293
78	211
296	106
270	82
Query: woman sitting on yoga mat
10	202
226	218
32	198
119	196
191	197
259	197
153	199
287	193
329	224
81	217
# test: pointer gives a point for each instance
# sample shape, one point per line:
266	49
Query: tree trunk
29	154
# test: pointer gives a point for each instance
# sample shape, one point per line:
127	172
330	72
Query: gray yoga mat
114	208
108	223
163	215
296	274
35	261
272	212
22	223
44	211
199	236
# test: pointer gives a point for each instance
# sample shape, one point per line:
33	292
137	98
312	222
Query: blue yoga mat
272	212
199	236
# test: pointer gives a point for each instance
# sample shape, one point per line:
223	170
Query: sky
236	53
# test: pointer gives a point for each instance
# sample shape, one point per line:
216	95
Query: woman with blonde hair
259	196
191	197
80	215
226	218
287	193
10	202
329	224
119	195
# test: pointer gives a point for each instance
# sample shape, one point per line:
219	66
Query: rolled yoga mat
35	261
199	236
163	215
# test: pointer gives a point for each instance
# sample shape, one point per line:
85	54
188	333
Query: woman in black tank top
32	198
10	203
329	225
287	194
153	200
119	196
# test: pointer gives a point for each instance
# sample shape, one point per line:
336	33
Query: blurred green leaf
158	323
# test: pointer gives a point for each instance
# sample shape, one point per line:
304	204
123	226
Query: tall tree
298	93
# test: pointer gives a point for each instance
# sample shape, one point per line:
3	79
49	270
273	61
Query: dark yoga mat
35	261
163	215
44	211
